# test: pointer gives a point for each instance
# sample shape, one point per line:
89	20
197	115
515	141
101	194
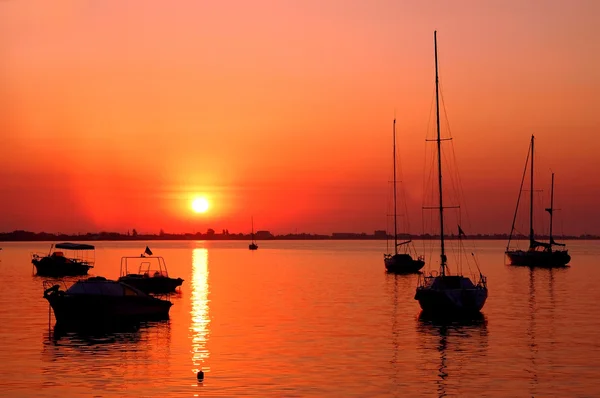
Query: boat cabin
146	267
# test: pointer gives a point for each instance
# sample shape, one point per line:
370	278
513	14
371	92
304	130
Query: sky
116	115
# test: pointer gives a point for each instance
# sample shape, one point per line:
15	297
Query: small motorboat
152	275
101	301
75	260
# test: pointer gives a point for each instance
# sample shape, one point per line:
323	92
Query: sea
308	319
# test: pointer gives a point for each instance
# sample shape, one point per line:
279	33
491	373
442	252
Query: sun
200	205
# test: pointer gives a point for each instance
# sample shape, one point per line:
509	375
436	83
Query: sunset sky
117	114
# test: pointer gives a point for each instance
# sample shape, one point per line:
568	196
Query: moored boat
152	275
252	245
97	300
76	260
401	262
440	292
539	254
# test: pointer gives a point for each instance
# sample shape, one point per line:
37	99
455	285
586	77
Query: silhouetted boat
77	261
252	245
152	275
97	300
443	293
539	254
401	262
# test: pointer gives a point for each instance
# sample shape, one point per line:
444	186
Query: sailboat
252	245
442	293
539	254
401	262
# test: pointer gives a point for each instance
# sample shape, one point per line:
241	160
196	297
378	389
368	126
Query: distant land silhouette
210	234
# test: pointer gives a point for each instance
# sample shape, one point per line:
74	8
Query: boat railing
48	283
74	257
146	266
425	279
36	255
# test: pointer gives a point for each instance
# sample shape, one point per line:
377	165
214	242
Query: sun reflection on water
199	327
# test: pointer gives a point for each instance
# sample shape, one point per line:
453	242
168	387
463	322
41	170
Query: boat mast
395	206
512	228
531	238
252	221
439	148
551	209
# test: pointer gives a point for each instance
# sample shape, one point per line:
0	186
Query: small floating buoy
200	375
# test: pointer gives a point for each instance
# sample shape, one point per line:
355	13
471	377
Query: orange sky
115	114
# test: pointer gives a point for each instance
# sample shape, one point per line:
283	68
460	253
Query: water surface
308	318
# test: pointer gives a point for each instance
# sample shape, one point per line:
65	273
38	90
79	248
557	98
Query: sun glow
200	205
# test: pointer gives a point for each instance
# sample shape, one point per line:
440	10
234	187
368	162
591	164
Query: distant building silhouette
263	235
348	235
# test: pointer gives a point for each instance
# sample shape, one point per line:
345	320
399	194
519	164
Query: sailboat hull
542	259
446	295
402	264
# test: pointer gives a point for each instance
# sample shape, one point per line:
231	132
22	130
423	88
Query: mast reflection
460	343
200	319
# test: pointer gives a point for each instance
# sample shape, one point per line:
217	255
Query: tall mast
395	206
252	221
531	238
439	147
551	209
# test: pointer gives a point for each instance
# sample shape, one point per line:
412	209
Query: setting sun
200	205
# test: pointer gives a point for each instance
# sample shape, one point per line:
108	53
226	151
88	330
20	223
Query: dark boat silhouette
442	293
100	301
252	245
539	254
152	275
77	260
401	262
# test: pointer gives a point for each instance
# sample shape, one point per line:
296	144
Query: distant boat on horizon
252	245
539	254
401	262
442	294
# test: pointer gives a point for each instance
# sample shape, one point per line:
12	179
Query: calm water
309	318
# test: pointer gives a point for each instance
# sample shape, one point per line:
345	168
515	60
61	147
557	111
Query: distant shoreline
26	236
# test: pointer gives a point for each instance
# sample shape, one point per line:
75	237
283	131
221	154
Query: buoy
200	376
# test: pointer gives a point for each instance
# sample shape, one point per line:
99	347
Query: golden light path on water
199	327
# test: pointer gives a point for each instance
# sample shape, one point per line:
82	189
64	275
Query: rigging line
462	198
519	197
455	179
445	112
427	195
452	190
403	197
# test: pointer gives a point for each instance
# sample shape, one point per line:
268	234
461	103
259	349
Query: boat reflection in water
200	319
134	332
541	328
399	290
461	345
107	363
